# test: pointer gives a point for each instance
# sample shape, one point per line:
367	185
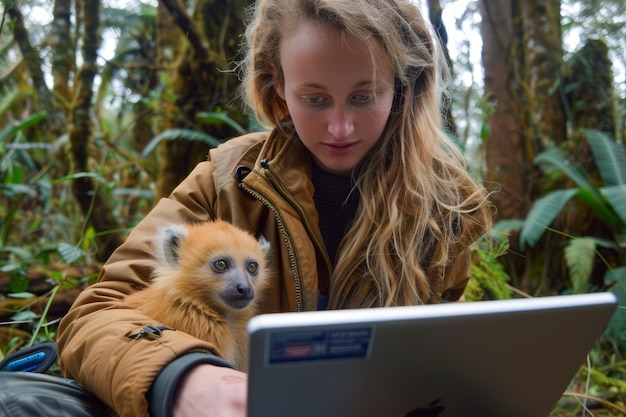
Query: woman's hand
215	391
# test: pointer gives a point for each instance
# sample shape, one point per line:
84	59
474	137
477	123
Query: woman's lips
339	148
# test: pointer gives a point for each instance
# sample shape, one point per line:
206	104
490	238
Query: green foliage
606	367
608	201
177	134
488	277
37	220
209	118
616	280
579	256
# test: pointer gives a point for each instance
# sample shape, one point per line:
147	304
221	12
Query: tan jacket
261	185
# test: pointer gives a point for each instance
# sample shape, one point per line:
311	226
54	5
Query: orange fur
185	294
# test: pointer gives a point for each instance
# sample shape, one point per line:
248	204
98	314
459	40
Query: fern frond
8	98
560	160
12	128
218	118
616	195
616	277
580	254
183	134
542	213
609	156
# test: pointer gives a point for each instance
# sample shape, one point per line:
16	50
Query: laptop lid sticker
315	345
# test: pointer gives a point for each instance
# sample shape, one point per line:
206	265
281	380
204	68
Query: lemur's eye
220	265
253	267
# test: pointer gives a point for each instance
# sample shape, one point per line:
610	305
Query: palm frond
616	278
11	70
184	134
508	225
542	213
579	257
616	195
601	206
558	159
12	128
218	118
8	97
609	156
122	18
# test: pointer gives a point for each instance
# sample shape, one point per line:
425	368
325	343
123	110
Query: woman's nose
341	123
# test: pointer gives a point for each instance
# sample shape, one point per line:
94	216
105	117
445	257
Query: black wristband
161	394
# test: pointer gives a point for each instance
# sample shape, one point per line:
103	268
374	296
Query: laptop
510	358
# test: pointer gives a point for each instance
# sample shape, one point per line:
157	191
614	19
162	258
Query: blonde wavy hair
418	203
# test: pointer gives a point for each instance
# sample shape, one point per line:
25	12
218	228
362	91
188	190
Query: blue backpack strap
36	358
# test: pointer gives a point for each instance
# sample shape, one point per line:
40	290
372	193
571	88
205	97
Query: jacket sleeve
104	345
161	394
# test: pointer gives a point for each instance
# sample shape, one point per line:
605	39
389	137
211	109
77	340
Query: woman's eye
220	265
361	98
253	267
314	100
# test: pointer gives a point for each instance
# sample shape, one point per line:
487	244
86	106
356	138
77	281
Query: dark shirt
336	202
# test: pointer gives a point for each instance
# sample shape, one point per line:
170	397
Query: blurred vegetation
49	250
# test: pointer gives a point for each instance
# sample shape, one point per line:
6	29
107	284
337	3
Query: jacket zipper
266	173
286	237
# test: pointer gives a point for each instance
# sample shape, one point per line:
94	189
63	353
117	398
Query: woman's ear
280	90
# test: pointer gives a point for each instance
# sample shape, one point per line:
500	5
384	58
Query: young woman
363	198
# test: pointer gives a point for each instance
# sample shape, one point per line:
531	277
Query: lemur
206	282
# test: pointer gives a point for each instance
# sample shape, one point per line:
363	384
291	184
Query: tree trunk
521	52
591	98
62	53
435	13
543	59
591	105
89	196
200	81
506	161
55	119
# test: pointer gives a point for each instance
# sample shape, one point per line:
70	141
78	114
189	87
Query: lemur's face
214	264
238	278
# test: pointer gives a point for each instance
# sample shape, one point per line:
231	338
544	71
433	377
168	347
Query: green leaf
542	213
220	118
609	156
12	129
616	328
9	97
76	175
31	121
25	315
88	238
13	190
485	132
558	159
508	225
22	253
22	295
598	204
180	134
69	253
56	275
617	198
11	267
579	257
16	176
18	283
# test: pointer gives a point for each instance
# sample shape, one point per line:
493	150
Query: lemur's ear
168	243
265	245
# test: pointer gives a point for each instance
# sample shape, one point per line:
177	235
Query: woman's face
328	86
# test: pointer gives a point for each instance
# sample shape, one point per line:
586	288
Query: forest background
106	105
